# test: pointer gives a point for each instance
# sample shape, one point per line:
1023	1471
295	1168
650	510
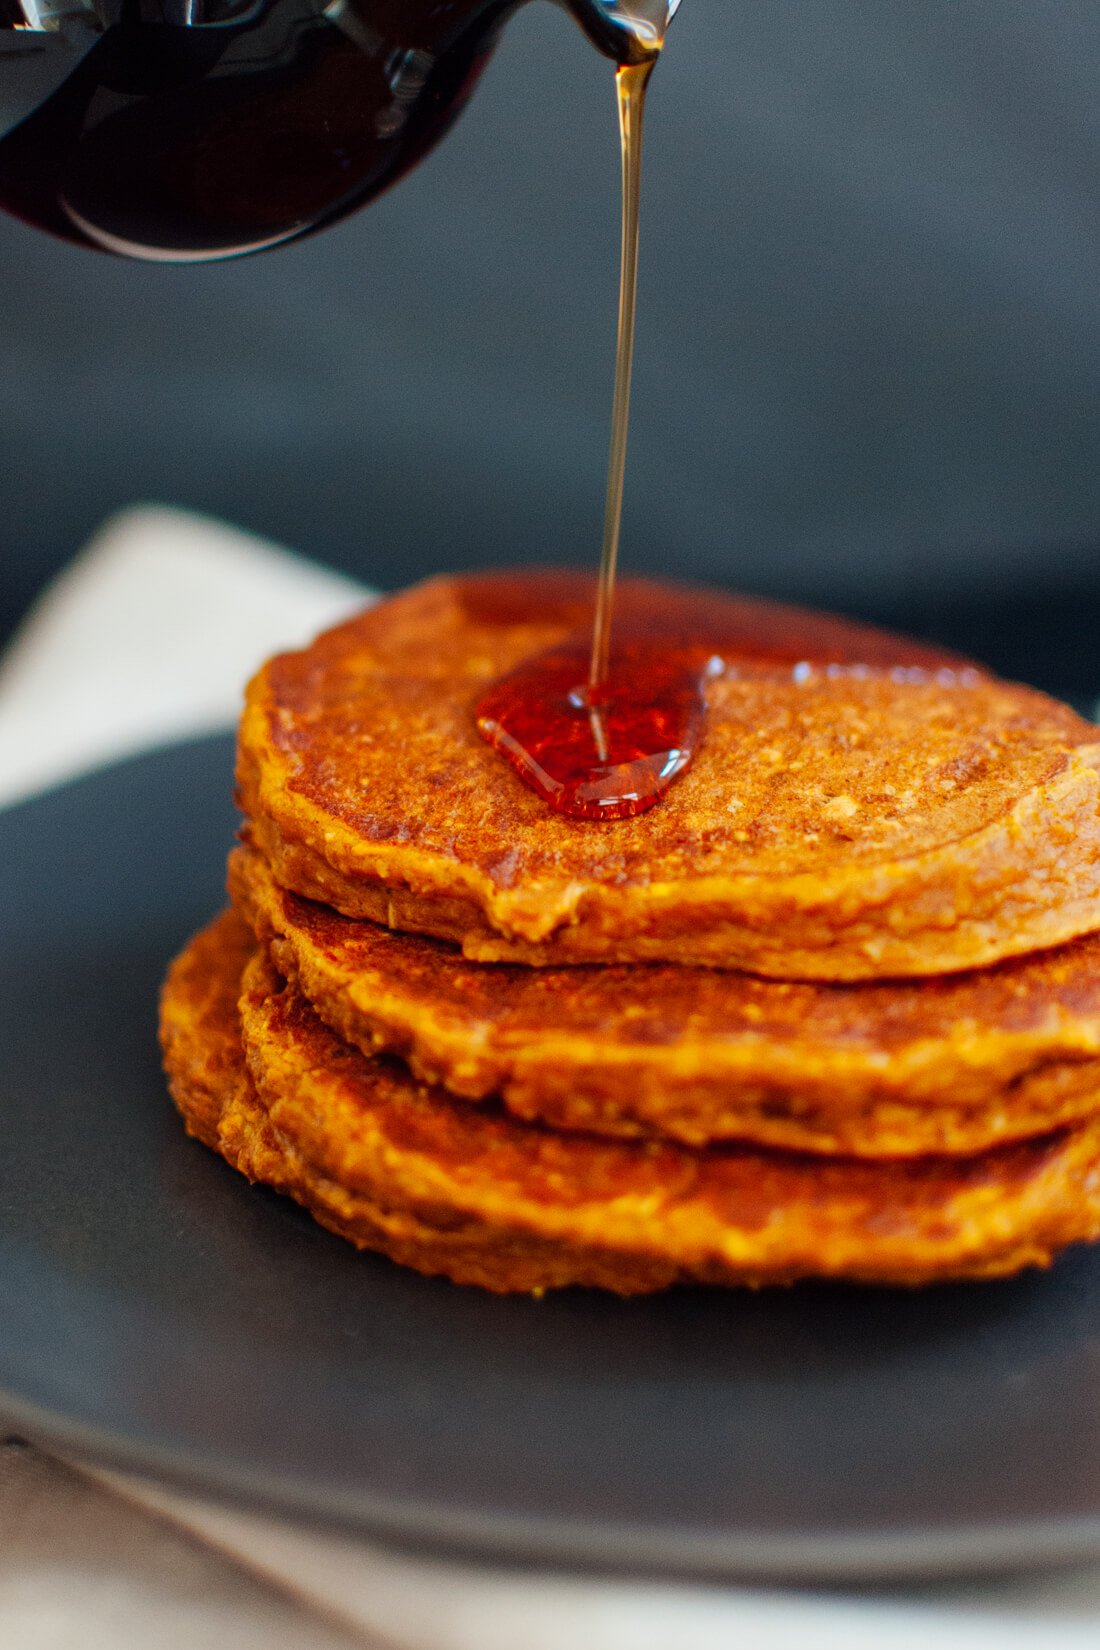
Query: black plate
157	1312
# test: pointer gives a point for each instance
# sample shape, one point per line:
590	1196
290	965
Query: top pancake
861	807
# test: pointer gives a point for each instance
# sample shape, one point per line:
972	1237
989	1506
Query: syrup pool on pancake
612	752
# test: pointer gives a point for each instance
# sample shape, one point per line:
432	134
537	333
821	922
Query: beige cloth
148	637
81	1566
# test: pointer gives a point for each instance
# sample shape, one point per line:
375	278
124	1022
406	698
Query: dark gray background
869	355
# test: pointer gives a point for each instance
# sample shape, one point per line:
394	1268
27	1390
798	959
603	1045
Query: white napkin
149	637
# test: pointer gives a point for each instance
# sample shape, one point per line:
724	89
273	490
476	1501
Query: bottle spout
630	31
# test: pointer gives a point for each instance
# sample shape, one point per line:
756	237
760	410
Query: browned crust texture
466	1191
884	1069
852	814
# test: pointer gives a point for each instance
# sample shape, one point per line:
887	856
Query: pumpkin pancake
886	1069
860	808
463	1190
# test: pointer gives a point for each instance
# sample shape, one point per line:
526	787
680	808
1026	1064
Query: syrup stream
631	81
607	744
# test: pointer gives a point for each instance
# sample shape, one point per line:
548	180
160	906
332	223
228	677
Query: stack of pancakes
831	1009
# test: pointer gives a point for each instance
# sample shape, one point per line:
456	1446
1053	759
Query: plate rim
951	1551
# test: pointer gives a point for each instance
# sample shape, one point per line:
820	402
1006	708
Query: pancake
890	1069
199	1025
466	1191
860	808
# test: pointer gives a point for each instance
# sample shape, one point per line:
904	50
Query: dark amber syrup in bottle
181	144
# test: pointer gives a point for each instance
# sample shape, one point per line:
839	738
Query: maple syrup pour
600	729
631	81
601	735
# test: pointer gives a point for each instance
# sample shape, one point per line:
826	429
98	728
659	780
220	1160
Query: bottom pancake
467	1191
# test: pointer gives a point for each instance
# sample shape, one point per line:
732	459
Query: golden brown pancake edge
952	1065
447	1187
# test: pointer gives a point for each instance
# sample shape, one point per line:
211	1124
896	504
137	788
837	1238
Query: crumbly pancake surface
955	1064
859	809
447	1187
